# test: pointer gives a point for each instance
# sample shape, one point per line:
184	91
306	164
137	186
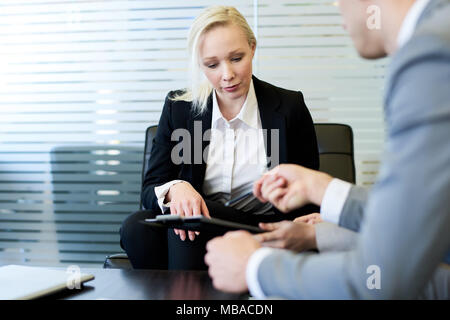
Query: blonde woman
213	141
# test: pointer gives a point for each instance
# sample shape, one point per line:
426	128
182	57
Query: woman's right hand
185	201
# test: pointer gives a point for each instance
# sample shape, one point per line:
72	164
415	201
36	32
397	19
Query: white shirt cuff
251	272
334	199
161	192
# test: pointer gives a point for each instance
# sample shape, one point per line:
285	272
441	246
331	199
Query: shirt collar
248	113
410	22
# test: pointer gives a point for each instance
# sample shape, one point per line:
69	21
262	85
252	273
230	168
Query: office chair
336	153
335	142
120	260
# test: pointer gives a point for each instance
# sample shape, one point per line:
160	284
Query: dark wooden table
123	284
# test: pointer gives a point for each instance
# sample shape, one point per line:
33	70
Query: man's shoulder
417	82
435	17
429	46
432	35
435	23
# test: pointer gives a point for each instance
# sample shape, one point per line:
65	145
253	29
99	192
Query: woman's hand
185	201
295	236
311	218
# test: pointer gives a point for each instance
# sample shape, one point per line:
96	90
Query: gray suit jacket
331	237
404	234
353	211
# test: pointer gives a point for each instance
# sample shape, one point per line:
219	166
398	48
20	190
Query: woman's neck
230	108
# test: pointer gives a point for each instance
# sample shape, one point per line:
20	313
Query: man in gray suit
403	223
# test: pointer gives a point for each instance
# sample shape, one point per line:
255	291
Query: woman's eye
236	59
212	66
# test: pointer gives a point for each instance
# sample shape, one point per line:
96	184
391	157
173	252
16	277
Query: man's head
361	20
374	24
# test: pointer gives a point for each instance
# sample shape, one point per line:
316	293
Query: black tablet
199	223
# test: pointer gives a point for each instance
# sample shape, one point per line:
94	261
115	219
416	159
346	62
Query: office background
80	81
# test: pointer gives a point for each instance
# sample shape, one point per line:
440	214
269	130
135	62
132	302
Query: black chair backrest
335	142
150	133
335	148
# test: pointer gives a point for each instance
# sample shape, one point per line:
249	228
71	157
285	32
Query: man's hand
295	236
290	186
227	258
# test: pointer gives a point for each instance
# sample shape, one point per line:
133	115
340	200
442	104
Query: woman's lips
231	88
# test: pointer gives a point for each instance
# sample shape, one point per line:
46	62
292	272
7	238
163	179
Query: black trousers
159	248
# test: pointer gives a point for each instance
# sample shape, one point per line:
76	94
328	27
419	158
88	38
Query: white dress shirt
338	190
236	157
410	22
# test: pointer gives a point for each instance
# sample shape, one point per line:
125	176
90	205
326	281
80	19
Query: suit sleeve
352	213
330	237
404	235
161	168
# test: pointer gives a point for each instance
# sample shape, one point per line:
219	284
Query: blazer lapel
273	122
198	125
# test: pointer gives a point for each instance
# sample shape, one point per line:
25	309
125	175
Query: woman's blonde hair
200	89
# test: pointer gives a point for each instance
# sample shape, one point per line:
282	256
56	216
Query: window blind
80	81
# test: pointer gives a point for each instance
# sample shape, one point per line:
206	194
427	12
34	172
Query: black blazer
279	109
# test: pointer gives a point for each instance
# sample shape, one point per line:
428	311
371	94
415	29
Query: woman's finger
269	226
303	219
173	211
204	209
272	234
188	212
182	234
263	237
196	211
180	212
